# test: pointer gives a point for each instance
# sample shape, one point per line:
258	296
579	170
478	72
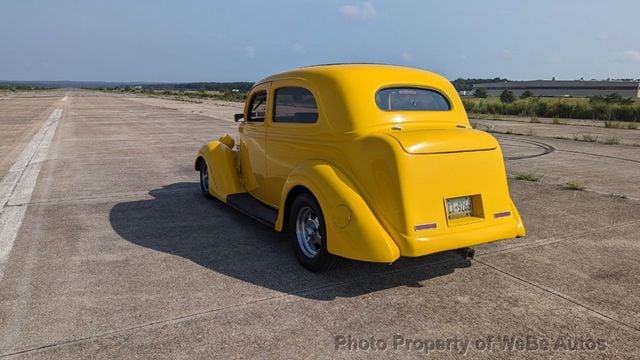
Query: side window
258	107
294	105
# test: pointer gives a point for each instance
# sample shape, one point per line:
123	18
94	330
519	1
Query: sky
241	40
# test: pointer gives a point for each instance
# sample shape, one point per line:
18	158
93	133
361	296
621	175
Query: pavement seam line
557	294
586	189
569	151
601	155
553	240
169	108
16	189
181	318
129	195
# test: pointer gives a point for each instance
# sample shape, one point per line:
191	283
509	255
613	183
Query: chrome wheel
308	232
204	178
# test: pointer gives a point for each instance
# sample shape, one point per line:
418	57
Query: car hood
439	141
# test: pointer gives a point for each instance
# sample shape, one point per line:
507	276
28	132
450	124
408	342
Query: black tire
309	236
204	179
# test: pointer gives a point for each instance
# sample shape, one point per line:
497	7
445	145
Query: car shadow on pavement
182	222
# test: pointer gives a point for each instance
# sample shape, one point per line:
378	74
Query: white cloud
368	11
249	52
350	11
407	56
298	49
507	54
630	55
364	12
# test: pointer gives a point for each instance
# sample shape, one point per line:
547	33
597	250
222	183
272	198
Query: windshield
411	99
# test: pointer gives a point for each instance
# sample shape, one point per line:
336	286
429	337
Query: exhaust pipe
466	253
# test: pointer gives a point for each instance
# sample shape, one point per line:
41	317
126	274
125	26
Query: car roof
348	90
341	72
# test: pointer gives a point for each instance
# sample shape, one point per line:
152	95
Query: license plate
459	207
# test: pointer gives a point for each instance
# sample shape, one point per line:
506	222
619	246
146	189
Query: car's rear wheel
204	178
308	234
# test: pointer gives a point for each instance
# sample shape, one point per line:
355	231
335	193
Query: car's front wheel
309	235
204	178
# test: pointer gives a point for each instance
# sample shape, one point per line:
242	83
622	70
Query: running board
248	205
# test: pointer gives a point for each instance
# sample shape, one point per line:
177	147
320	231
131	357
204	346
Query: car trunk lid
438	141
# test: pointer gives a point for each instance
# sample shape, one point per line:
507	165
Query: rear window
411	99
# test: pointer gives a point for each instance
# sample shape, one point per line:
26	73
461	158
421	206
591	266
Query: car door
292	133
252	141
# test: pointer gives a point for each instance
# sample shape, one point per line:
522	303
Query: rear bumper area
451	240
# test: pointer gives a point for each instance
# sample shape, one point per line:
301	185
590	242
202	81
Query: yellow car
366	162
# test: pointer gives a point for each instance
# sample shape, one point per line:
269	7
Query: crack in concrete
557	294
553	240
178	319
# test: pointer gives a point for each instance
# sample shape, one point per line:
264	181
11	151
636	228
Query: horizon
165	42
3	81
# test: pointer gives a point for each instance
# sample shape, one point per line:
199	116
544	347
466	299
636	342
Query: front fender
352	229
223	173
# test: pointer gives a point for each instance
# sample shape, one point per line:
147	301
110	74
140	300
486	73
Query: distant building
564	88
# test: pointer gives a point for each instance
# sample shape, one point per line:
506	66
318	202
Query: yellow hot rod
362	161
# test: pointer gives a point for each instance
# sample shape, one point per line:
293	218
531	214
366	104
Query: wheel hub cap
204	176
308	232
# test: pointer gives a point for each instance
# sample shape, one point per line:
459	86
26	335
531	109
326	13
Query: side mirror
238	117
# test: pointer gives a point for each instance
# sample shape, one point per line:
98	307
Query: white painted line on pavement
17	186
10	221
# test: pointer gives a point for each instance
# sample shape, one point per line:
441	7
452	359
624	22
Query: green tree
480	93
507	97
526	94
613	98
626	101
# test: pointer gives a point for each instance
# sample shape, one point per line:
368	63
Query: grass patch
586	138
613	109
574	186
612	141
613	125
632	126
534	120
526	177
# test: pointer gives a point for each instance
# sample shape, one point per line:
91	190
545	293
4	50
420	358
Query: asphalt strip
17	186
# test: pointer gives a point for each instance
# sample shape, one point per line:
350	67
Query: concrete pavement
119	255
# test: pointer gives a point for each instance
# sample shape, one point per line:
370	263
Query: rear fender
520	230
352	229
223	174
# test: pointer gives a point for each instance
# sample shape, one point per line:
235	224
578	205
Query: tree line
611	107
